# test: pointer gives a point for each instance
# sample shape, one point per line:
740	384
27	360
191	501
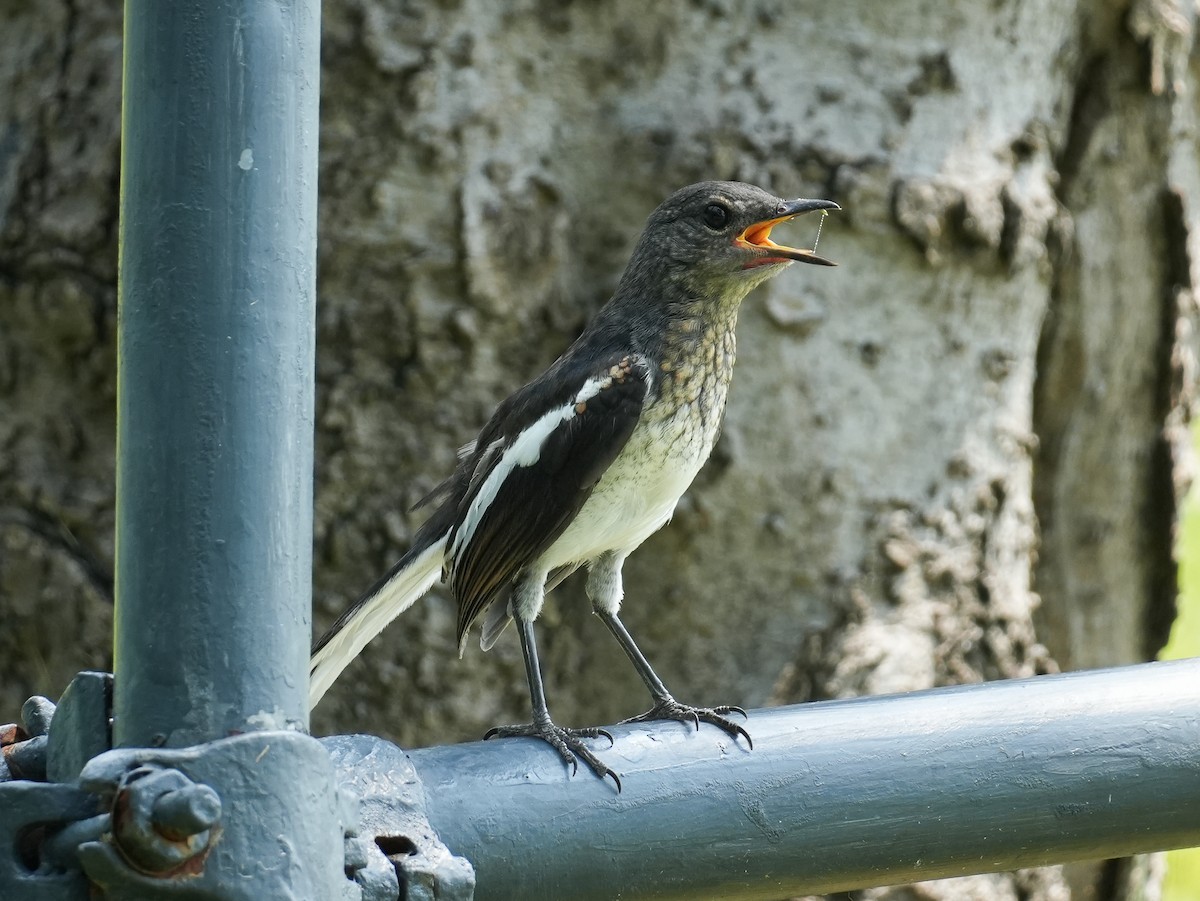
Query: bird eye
716	216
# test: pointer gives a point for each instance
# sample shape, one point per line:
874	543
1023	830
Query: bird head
717	234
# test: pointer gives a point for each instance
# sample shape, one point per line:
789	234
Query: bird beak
757	237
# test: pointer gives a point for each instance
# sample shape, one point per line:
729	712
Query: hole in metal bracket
29	845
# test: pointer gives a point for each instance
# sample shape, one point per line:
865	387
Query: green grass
1183	867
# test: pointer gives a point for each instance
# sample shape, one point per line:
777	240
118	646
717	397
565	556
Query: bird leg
665	706
567	742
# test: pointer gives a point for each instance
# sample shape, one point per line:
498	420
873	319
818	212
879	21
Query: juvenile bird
589	459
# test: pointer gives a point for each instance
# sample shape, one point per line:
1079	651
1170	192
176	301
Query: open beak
757	237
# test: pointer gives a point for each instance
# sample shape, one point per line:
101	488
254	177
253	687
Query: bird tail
407	581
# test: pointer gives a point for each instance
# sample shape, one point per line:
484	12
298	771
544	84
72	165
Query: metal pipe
837	795
215	377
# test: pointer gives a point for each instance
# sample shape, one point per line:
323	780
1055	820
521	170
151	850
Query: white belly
637	494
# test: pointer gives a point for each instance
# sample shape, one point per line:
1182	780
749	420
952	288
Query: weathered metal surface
276	830
837	795
216	369
144	828
212	792
144	823
81	726
404	857
31	813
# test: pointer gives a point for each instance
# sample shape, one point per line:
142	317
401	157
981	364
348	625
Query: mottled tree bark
957	457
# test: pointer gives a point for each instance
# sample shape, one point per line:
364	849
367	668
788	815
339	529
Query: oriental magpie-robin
589	459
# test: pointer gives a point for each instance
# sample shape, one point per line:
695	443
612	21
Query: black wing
529	482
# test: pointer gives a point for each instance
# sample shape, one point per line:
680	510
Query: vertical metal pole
215	380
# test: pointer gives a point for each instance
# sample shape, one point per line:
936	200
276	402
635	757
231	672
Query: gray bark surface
959	456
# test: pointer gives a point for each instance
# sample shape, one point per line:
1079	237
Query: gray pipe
837	795
215	376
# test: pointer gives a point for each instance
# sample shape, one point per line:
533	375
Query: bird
582	464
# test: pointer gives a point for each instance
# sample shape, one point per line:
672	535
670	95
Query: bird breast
637	493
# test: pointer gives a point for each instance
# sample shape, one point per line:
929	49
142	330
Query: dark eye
716	216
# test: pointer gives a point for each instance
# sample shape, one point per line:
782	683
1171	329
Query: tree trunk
959	456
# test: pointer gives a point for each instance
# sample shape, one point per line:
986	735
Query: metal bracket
53	742
167	823
185	822
44	816
164	823
404	857
32	816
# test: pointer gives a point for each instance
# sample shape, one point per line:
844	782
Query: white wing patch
525	451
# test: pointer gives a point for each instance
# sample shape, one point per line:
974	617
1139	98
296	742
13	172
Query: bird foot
567	742
670	709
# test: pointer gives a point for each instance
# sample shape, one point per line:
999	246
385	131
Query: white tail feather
396	596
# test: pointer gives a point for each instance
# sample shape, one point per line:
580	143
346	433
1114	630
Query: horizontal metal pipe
837	795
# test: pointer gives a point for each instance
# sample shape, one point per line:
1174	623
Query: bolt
36	714
185	811
163	821
27	759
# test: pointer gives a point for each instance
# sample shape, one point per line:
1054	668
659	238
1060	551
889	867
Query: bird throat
696	364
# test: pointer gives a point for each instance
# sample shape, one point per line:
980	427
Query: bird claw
670	709
567	742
